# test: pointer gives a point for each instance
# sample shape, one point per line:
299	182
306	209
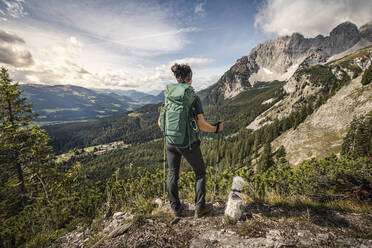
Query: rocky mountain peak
343	37
345	27
366	31
242	60
297	36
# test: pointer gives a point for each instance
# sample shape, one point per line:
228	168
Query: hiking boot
201	211
178	211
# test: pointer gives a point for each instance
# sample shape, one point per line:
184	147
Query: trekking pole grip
218	126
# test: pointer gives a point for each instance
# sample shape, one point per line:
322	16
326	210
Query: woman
192	154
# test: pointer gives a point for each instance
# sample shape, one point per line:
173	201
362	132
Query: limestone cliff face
278	59
305	85
323	131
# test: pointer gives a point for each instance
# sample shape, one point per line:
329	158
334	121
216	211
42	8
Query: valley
69	103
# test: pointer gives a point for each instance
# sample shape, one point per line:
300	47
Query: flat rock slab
225	239
274	239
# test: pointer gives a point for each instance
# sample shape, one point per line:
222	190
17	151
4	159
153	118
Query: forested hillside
137	126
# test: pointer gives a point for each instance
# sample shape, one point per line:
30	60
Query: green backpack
177	115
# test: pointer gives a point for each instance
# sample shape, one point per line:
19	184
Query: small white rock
119	215
158	202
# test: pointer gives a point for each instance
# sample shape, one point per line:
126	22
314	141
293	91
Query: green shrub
319	75
45	239
349	64
367	76
321	180
358	140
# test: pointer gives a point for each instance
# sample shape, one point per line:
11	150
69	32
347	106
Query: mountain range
279	58
138	96
61	103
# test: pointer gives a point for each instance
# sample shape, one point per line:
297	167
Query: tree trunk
21	179
44	187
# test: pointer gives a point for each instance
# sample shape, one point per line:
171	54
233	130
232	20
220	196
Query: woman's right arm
206	127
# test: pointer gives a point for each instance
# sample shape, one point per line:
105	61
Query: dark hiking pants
195	159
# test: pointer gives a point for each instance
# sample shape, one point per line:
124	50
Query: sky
131	44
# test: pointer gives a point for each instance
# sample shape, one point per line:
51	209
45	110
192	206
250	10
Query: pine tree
348	144
268	134
276	129
281	152
15	116
25	150
362	139
257	140
358	140
266	160
367	76
285	124
37	157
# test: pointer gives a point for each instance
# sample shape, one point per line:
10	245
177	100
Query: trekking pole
216	166
164	170
217	160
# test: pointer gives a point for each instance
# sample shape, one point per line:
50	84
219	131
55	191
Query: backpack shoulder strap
190	95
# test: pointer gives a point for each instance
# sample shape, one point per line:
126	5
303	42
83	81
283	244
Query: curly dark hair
183	72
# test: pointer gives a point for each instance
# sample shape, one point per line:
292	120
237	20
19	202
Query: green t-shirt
198	106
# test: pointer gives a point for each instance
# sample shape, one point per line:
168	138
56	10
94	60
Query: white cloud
32	78
154	43
199	8
13	50
156	78
193	62
134	28
311	18
14	8
200	83
71	50
58	69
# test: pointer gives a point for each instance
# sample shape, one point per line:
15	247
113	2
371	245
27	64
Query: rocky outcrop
366	31
341	38
322	133
304	86
112	227
236	79
74	239
275	238
264	225
270	226
279	58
